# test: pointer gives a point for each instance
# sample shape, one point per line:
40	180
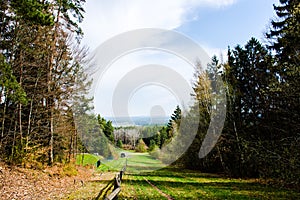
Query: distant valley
138	121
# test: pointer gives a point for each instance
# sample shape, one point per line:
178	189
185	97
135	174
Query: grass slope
136	162
142	162
141	182
185	184
87	159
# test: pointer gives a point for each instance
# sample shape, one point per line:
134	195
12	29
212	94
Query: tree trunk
51	136
13	144
50	92
71	146
20	104
221	160
3	119
20	125
30	115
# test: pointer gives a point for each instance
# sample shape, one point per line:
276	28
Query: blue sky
213	24
231	25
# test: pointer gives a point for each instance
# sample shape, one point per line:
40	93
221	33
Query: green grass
88	159
130	189
174	182
184	184
106	165
136	163
112	165
142	162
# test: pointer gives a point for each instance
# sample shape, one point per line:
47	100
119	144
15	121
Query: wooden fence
116	183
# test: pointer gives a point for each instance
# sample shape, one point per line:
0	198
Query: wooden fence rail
117	184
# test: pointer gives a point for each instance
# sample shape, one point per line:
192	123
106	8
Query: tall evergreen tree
107	128
174	122
284	37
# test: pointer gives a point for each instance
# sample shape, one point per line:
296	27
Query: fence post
117	182
121	174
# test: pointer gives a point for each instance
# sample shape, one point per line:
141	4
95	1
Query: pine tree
284	34
107	128
284	37
248	75
174	123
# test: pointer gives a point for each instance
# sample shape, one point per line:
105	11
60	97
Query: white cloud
104	19
216	3
147	96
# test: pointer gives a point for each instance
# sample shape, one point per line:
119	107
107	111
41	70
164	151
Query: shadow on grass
145	162
179	173
216	189
141	168
236	197
161	171
216	185
104	191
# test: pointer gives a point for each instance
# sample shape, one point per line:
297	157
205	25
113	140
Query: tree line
150	137
261	135
42	80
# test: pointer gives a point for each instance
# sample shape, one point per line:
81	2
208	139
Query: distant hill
138	121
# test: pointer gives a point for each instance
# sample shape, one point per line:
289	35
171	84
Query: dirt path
161	192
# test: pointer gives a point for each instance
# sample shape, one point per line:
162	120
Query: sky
212	24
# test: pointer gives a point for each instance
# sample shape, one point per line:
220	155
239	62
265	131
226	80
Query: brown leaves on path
21	183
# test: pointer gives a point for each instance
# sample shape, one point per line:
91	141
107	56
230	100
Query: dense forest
261	136
44	109
41	80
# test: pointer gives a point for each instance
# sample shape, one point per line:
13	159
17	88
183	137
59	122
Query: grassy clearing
194	185
130	189
173	182
87	159
94	188
142	162
112	165
136	163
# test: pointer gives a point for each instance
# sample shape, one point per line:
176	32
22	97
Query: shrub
141	147
120	143
69	170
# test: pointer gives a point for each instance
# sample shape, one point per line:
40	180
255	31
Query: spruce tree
284	37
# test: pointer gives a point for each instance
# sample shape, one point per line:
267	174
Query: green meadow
147	178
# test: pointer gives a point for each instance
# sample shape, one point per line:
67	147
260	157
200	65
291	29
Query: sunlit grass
130	190
142	162
194	185
174	182
112	165
89	191
87	159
